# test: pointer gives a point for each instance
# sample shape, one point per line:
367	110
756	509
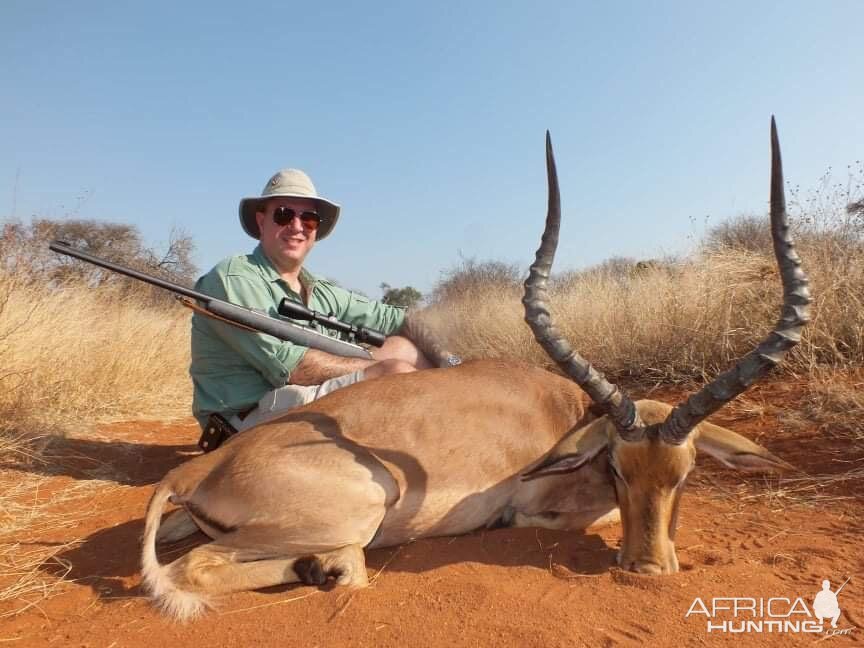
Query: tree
24	251
407	297
745	232
471	278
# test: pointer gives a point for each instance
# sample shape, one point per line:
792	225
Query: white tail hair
157	579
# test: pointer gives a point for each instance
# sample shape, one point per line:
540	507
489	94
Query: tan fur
385	461
650	478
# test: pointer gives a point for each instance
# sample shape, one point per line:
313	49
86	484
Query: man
825	604
249	378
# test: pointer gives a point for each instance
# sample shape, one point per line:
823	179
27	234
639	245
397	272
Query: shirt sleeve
273	358
359	310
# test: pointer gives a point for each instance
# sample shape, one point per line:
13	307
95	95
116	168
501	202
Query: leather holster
215	433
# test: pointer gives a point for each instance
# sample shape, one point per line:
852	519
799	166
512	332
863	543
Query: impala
448	451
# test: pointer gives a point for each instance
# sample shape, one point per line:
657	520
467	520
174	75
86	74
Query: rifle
248	318
842	586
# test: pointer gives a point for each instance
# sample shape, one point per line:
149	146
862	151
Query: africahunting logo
738	615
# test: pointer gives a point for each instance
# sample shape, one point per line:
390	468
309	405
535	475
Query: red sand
510	587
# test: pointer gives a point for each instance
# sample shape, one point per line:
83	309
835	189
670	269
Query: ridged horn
620	409
794	314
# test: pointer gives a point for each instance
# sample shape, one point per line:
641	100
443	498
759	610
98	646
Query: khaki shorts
277	402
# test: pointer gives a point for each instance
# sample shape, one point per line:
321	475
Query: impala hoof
310	571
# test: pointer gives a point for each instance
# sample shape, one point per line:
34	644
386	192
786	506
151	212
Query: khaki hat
288	183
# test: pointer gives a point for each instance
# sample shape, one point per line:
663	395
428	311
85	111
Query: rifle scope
294	310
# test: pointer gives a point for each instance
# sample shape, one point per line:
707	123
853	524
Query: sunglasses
282	216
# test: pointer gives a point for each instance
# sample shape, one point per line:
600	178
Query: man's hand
428	343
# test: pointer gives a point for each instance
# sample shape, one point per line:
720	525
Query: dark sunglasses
284	215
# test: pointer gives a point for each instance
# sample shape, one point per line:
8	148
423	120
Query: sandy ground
752	538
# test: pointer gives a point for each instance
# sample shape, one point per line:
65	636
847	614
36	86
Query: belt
244	413
218	429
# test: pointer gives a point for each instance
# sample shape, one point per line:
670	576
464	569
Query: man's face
288	244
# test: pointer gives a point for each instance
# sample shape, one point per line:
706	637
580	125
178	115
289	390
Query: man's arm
272	358
317	366
409	339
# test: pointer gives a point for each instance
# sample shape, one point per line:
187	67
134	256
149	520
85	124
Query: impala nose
645	567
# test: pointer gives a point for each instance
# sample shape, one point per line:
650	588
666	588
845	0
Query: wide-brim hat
288	183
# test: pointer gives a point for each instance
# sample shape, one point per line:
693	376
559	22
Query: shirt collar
269	272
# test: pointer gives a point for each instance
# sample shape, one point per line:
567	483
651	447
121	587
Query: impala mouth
645	567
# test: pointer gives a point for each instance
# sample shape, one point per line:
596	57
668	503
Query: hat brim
327	211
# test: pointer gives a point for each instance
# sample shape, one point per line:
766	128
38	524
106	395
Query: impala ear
575	450
736	451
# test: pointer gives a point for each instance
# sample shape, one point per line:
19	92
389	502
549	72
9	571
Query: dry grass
71	357
836	407
33	519
672	321
780	493
828	413
23	568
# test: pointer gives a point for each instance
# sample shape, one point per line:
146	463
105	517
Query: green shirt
232	368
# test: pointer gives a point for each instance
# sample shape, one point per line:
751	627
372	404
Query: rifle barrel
248	317
65	248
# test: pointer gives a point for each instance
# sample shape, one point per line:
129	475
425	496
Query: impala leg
541	520
347	565
178	525
569	520
220	567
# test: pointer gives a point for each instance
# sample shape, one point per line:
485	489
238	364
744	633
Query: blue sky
425	121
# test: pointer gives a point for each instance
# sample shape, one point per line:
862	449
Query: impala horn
794	314
615	403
